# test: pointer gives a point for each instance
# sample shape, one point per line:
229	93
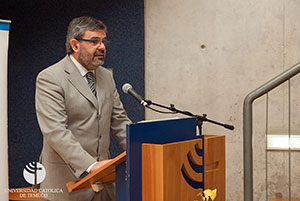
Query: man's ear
75	45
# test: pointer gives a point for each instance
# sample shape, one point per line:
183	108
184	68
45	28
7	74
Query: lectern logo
192	170
34	173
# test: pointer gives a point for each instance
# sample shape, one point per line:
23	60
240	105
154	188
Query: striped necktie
91	81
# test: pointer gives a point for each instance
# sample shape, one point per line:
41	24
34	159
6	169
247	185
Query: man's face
92	55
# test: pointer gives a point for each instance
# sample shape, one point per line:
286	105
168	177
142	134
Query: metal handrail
247	121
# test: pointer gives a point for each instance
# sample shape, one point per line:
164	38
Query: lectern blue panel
121	183
156	132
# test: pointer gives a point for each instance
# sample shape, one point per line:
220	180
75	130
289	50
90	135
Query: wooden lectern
177	171
165	161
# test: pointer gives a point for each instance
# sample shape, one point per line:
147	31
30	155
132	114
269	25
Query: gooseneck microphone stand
200	119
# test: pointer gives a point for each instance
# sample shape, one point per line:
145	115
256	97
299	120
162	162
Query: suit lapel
100	86
78	82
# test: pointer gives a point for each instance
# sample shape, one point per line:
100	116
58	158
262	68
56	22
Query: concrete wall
206	56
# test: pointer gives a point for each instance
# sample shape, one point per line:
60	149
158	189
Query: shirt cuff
90	167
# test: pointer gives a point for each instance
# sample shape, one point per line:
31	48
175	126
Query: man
77	107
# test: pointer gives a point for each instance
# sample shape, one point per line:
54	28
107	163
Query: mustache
99	53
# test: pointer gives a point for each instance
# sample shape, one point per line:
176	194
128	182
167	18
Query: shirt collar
83	71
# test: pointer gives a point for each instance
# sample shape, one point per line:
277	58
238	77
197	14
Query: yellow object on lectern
208	195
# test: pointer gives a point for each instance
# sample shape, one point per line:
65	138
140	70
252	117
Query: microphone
127	89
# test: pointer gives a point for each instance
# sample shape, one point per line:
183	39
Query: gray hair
78	26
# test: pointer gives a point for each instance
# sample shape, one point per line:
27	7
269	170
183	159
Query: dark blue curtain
37	40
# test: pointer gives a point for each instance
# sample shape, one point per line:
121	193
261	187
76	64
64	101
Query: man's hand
98	165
